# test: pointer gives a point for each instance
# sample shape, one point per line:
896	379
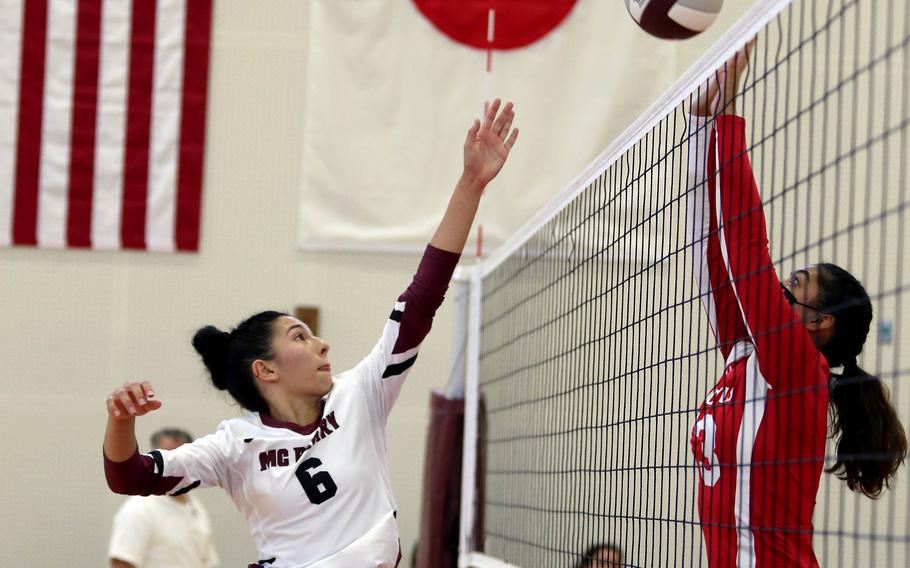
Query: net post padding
469	503
440	526
441	484
748	26
459	290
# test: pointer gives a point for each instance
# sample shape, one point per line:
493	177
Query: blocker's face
803	287
301	358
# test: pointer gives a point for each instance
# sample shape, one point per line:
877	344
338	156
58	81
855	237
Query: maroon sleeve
137	475
424	296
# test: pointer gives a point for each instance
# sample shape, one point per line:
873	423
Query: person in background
601	555
169	531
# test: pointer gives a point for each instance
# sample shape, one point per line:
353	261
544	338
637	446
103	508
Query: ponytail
871	443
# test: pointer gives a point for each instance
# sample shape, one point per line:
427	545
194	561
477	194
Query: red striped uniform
759	436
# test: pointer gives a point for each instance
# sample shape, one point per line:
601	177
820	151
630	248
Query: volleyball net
590	352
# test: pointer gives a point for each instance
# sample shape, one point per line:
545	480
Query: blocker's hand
718	94
487	144
728	78
132	400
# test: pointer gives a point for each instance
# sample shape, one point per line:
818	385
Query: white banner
389	99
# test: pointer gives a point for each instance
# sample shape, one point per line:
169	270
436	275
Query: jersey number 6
311	483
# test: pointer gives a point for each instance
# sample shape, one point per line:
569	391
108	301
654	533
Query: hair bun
214	346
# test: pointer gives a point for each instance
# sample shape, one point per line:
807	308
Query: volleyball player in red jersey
759	436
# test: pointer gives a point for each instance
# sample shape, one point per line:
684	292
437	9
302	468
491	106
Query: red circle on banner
516	23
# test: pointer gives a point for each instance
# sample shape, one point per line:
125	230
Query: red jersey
759	436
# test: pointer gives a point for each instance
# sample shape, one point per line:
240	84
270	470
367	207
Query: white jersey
315	496
310	493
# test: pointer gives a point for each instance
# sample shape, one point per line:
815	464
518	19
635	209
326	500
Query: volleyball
674	19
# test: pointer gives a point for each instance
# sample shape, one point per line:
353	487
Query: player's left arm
782	344
785	351
486	148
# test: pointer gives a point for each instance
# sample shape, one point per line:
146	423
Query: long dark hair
229	356
872	443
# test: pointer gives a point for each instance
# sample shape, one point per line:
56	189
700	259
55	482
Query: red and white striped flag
102	122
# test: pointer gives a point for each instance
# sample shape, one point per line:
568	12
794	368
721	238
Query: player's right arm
198	464
784	348
486	148
709	269
123	406
126	471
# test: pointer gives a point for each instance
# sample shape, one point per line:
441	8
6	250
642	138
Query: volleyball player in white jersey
307	467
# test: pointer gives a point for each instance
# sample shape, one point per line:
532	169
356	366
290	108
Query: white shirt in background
162	532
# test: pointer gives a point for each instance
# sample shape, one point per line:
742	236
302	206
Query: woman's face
301	359
803	286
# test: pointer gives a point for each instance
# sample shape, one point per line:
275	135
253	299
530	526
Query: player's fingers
113	408
472	132
504	117
123	398
512	138
148	389
491	113
137	393
504	132
750	45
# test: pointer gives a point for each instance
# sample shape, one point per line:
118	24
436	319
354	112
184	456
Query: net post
472	398
461	284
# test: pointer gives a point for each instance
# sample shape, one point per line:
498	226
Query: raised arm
486	148
708	266
785	351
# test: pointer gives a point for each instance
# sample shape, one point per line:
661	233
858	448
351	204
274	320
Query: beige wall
76	323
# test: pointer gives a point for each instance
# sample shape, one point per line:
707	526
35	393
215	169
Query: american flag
102	122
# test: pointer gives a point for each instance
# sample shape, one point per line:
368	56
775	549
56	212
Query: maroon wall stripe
82	141
192	125
31	103
138	124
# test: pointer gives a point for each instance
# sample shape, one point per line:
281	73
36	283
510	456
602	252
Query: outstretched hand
488	143
718	95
